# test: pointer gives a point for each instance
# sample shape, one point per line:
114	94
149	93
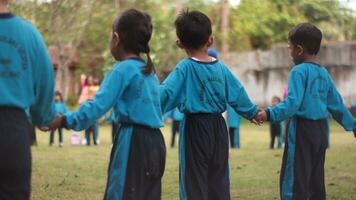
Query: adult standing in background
26	85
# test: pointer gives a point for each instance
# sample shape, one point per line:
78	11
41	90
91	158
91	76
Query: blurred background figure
233	122
61	109
176	116
276	128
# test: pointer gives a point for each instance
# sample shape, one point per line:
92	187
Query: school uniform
26	83
312	95
233	121
201	90
177	118
61	109
137	158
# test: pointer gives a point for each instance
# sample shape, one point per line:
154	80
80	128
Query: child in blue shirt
233	121
312	95
61	108
202	86
131	89
276	128
26	84
177	118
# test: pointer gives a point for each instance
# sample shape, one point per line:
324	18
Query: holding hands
55	124
260	118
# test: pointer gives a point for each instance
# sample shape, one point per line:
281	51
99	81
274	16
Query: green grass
79	173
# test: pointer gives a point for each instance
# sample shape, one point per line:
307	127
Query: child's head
89	81
275	100
304	40
193	30
58	96
131	34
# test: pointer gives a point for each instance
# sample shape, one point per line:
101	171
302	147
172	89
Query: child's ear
300	50
115	39
210	41
179	44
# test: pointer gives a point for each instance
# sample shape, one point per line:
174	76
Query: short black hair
193	28
308	36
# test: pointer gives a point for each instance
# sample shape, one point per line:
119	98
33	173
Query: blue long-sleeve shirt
204	87
133	96
26	72
312	95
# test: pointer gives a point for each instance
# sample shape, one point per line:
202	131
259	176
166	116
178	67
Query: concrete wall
265	73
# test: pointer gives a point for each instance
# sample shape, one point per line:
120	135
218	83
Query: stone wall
265	73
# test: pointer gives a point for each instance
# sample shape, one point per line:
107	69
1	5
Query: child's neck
310	58
200	54
128	56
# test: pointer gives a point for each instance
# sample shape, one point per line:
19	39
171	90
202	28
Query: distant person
61	109
276	128
177	118
26	85
352	106
87	94
233	121
115	126
312	97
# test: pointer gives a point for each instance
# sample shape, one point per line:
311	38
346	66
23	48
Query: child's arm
42	111
171	90
338	110
288	107
110	90
237	97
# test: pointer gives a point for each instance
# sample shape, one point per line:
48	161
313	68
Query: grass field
79	173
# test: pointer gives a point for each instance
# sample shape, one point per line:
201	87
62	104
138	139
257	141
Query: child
312	95
137	158
26	84
114	125
61	109
233	121
177	117
201	86
276	127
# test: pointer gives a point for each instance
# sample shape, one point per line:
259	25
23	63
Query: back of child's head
306	35
193	29
213	53
135	29
58	95
276	100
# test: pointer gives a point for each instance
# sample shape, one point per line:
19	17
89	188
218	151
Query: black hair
135	29
277	97
58	93
193	28
308	36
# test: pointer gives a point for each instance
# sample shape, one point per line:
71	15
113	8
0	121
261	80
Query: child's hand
261	116
56	123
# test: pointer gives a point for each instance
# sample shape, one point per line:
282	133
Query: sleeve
288	107
338	110
167	115
110	90
42	111
171	90
237	97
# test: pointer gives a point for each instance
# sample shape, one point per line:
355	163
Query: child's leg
87	135
204	158
237	137
174	131
15	155
146	165
232	135
60	132
272	140
96	132
51	137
